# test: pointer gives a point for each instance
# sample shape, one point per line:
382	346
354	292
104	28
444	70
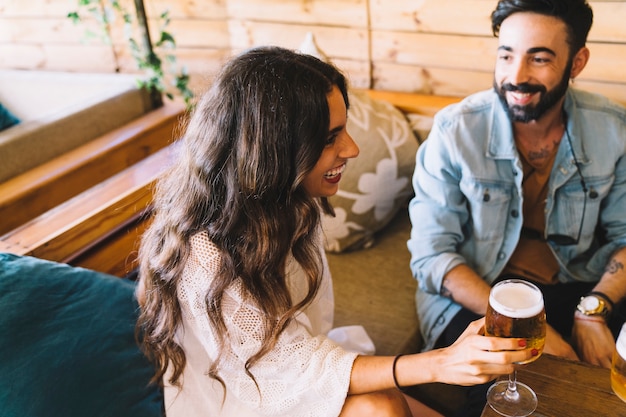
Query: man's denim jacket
468	196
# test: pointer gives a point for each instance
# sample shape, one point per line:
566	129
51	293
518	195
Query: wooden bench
32	193
96	229
99	228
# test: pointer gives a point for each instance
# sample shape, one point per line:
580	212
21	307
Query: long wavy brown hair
253	137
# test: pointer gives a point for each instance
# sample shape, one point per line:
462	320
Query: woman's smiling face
323	179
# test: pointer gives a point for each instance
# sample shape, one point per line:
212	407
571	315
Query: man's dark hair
576	14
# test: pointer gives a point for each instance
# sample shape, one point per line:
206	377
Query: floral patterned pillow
377	183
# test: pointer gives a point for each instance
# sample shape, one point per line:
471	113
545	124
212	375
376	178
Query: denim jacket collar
574	129
501	144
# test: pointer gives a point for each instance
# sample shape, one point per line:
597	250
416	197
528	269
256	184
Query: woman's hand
475	359
472	359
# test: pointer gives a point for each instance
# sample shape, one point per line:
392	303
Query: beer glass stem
511	390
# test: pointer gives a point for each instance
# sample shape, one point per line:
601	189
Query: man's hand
556	345
593	339
591	336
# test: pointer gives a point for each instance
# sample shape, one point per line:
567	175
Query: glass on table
618	366
516	309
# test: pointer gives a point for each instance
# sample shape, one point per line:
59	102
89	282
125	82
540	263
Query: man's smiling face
533	65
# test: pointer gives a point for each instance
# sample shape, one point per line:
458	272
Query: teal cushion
7	119
67	344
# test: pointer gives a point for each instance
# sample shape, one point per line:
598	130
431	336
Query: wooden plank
36	8
71	58
606	63
201	64
473	17
41	188
51	30
202	61
117	253
608	21
196	33
345	43
205	9
345	13
357	72
568	388
466	17
436	81
425	104
614	91
76	224
442	51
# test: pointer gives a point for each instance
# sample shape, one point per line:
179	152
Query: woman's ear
579	61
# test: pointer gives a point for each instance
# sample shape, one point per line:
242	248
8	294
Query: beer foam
621	342
516	300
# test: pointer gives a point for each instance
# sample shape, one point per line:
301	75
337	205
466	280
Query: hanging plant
147	59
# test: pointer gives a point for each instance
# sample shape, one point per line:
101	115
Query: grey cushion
377	184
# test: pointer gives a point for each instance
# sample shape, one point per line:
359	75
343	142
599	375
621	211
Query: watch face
590	303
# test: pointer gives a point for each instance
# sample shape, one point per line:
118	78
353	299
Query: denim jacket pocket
489	207
571	203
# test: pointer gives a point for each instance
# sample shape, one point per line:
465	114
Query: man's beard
547	99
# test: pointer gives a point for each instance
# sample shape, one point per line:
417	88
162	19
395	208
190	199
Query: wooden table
568	389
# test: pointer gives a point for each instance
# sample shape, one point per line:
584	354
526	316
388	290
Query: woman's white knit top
306	374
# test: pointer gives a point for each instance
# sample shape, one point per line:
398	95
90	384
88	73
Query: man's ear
579	62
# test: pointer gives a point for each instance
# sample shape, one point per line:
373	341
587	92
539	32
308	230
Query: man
527	179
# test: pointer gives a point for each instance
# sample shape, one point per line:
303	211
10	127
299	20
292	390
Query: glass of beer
618	366
515	310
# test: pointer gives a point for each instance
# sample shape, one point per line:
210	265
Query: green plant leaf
74	16
166	37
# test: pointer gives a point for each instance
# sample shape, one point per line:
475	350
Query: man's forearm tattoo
614	266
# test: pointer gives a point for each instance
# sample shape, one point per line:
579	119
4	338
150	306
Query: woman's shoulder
204	251
203	262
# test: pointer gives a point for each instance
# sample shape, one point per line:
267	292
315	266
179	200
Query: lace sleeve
304	375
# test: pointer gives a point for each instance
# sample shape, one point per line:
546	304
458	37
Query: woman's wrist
394	371
416	368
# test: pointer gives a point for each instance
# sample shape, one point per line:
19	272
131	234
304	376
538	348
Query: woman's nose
349	149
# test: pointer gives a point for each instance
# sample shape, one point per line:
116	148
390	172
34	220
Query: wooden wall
433	46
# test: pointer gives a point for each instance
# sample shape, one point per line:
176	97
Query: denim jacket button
515	213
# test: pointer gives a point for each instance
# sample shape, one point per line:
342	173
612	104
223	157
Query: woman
235	291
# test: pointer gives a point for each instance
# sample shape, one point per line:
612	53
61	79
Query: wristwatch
593	305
